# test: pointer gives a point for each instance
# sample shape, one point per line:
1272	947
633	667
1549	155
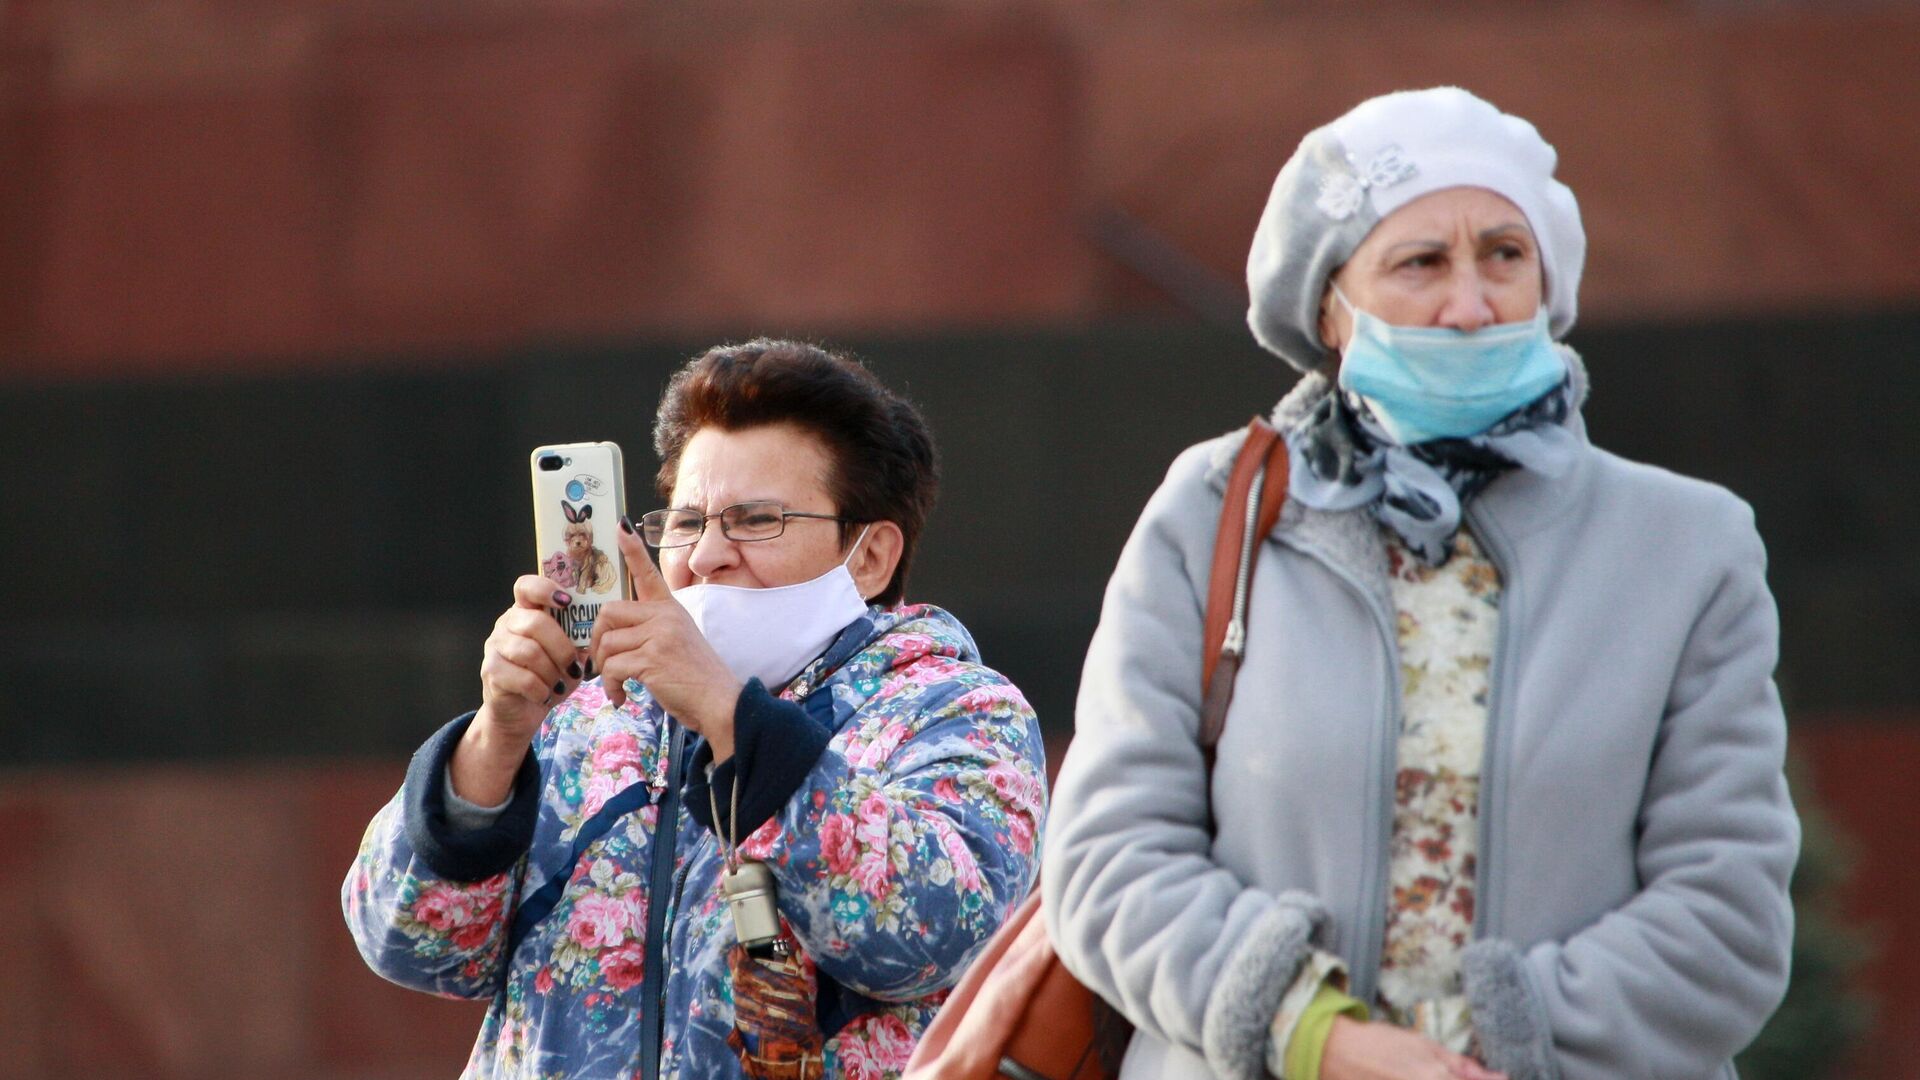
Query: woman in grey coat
1500	790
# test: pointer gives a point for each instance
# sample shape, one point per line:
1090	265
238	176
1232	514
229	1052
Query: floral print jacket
896	790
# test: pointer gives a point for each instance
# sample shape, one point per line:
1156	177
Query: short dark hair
885	467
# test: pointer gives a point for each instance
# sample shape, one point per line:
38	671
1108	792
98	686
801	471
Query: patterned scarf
1342	458
775	999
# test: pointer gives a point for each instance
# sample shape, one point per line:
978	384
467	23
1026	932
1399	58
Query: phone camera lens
550	463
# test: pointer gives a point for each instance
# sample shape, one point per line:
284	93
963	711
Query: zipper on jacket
1373	928
680	874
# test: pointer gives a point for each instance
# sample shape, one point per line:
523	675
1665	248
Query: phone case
577	505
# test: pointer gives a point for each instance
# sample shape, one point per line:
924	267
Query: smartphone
579	497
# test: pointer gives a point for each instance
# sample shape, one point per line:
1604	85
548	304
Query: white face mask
770	634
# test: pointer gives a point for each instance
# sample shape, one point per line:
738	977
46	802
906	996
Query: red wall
211	184
184	922
202	184
1861	770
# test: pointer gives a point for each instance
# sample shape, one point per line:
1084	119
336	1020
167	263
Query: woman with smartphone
759	824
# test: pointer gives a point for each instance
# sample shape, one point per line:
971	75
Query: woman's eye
1423	262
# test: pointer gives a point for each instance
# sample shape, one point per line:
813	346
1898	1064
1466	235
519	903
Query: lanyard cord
729	840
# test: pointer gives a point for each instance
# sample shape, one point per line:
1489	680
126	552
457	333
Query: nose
713	552
1468	306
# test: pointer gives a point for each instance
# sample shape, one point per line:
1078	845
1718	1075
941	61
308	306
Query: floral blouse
904	848
1447	618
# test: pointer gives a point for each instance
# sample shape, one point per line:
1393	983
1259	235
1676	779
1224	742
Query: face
1459	258
781	462
579	539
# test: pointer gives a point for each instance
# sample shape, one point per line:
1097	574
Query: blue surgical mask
1426	383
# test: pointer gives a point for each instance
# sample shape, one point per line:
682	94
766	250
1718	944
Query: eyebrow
1442	245
1392	253
1501	230
736	502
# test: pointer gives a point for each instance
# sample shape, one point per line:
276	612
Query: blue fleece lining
776	744
465	855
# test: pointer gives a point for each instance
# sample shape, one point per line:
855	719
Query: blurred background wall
291	288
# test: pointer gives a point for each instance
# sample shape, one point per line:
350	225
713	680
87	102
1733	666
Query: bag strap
540	903
1256	490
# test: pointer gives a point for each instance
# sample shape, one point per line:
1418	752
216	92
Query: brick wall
376	201
183	923
197	185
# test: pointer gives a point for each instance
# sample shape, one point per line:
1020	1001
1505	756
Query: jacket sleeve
429	904
914	834
1137	908
1681	977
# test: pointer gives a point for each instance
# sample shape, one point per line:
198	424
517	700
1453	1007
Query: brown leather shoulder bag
1018	1012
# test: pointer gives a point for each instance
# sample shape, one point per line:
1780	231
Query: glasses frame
646	524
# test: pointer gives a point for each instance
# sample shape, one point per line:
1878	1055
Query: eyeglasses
743	522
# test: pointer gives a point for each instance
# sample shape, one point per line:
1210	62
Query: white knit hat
1385	153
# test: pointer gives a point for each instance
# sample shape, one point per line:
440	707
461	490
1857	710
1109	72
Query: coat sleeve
428	905
915	834
1681	977
1137	908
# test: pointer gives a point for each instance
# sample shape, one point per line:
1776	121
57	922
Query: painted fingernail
589	669
559	688
562	599
573	670
626	524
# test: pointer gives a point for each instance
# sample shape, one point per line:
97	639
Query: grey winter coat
1635	832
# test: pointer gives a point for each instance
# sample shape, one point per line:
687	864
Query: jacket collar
882	640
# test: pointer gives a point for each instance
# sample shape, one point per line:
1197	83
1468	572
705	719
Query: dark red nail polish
559	688
562	599
626	523
573	670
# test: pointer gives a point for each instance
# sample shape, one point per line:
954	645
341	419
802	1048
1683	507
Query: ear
1329	330
567	509
586	512
879	554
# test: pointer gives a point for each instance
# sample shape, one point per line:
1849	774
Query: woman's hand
1376	1051
528	664
654	640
